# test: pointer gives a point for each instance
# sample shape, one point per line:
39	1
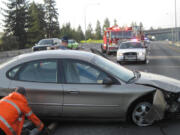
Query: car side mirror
108	81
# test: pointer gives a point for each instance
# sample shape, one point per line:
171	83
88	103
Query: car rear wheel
102	49
139	112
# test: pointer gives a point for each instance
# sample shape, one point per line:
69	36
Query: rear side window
12	73
77	72
39	71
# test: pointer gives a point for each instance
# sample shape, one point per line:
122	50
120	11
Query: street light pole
85	22
175	31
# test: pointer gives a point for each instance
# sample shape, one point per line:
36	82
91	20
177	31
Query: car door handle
72	92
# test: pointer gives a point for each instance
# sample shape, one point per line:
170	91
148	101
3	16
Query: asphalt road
164	60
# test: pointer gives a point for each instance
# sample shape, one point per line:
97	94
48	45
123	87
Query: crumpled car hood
159	81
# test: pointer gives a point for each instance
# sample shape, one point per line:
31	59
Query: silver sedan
77	84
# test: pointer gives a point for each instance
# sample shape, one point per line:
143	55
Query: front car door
85	95
39	78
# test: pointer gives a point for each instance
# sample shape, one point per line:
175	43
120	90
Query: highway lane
164	60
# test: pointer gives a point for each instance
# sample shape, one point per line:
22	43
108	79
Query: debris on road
29	129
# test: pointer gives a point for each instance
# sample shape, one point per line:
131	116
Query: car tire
138	113
107	52
102	50
145	61
119	62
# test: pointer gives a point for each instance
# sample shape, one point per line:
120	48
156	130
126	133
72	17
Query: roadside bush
9	43
92	41
0	44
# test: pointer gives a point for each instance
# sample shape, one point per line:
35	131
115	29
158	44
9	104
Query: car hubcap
139	112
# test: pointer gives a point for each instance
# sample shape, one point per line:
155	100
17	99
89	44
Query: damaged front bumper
158	108
163	103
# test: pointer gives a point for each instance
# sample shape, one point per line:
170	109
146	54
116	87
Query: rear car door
85	95
39	78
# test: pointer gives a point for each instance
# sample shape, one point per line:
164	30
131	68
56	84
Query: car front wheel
139	112
102	49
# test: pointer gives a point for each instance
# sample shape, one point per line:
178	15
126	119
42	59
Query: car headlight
48	48
141	54
119	54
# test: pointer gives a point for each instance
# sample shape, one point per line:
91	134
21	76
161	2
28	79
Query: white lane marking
164	57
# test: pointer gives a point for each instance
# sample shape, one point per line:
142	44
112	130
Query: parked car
147	43
131	51
47	44
72	44
146	40
77	84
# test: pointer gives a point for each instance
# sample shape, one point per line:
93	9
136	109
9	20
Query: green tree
106	24
36	24
79	33
98	34
141	25
66	30
9	42
151	28
51	14
115	22
16	17
76	34
89	32
133	24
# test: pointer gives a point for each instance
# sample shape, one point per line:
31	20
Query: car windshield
71	41
122	73
45	42
130	45
121	34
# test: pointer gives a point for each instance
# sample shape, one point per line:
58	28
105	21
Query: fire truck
113	36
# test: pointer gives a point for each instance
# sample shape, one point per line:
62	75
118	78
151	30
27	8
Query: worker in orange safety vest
13	110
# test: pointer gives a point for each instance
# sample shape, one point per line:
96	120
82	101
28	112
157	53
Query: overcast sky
155	13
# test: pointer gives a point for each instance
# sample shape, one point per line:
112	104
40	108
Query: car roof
49	38
132	42
71	40
55	54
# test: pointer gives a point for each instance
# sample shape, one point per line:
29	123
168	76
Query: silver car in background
76	84
131	51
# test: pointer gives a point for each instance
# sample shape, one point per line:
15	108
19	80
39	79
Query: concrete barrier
7	54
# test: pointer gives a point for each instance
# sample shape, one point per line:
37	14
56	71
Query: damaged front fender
158	108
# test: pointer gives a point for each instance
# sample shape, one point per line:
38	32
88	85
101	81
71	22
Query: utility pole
175	31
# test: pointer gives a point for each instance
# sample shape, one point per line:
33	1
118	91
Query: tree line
26	23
